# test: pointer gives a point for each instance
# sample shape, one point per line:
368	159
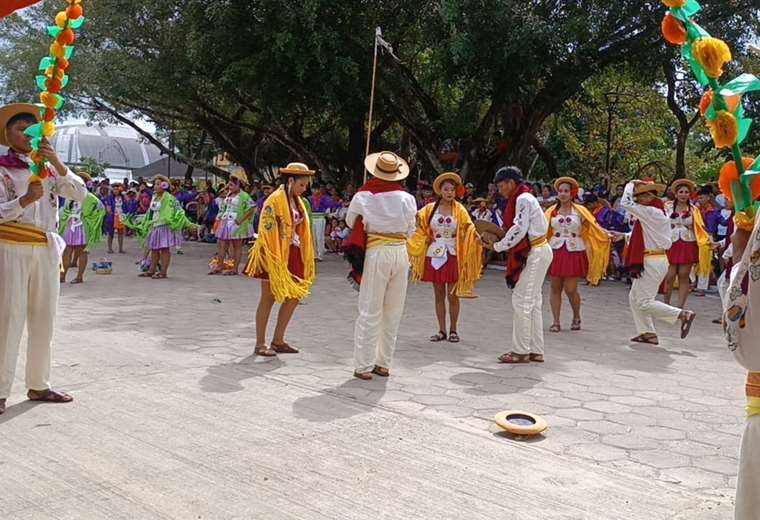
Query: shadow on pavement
354	397
228	377
17	409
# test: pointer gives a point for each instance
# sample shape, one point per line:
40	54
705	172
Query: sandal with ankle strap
453	337
441	336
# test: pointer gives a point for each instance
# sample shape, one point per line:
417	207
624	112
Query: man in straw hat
742	326
647	262
528	259
381	217
30	253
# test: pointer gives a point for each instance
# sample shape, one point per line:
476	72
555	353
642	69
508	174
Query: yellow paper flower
744	221
712	54
57	50
724	129
674	3
60	19
48	128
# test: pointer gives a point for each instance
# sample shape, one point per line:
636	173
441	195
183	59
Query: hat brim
486	226
649	188
85	176
294	171
448	176
160	178
370	163
241	178
683	182
565	180
8	112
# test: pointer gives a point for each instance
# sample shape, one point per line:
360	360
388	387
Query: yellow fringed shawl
469	251
270	252
596	239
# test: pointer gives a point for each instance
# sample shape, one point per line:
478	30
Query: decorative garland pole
721	104
52	80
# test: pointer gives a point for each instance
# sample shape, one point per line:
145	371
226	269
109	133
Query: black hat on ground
508	173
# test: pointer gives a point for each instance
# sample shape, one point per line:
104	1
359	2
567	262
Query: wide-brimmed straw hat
10	111
86	177
566	180
678	183
297	168
479	200
447	176
240	176
387	166
159	178
486	226
648	187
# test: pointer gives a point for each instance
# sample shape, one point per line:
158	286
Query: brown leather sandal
381	371
263	350
365	376
511	358
49	396
647	338
284	348
536	358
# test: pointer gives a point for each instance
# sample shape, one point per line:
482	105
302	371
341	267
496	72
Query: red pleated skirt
448	273
295	264
683	253
568	264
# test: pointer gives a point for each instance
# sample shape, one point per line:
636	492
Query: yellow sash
538	242
22	234
753	394
385	239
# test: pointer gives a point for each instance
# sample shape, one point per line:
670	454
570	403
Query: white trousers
318	233
643	296
527	302
381	303
748	484
29	286
722	287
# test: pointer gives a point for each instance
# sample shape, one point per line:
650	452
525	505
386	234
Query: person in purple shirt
320	201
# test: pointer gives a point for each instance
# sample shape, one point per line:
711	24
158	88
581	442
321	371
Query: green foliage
277	80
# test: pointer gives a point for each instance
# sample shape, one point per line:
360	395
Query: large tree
275	80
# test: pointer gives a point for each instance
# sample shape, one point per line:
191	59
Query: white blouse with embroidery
444	242
566	231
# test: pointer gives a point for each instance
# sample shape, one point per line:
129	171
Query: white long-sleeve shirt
654	222
43	213
389	212
529	220
742	309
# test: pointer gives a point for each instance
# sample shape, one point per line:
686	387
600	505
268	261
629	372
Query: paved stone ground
175	419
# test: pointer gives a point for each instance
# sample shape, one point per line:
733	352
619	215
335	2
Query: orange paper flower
729	174
674	3
712	54
673	30
74	11
724	129
732	102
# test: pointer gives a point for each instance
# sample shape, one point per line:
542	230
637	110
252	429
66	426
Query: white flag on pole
384	45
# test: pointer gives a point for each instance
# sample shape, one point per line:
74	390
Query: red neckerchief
12	160
634	251
517	257
354	246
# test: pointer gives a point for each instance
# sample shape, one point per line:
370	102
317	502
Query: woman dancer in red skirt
581	250
445	252
690	241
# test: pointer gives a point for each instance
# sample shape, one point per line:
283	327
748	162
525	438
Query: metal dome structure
121	147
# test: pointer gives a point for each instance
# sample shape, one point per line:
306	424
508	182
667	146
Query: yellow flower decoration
744	222
674	3
724	129
712	54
